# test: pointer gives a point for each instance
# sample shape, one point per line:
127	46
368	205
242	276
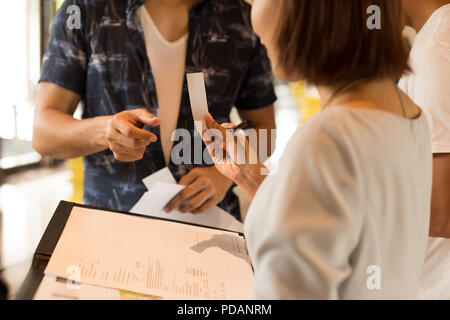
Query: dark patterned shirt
106	63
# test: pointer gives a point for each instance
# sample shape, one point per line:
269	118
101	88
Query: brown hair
328	42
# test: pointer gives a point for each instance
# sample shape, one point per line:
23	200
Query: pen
247	124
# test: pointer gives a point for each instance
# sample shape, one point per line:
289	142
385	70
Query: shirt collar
133	5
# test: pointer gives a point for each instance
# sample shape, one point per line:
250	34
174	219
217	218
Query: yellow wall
76	166
308	103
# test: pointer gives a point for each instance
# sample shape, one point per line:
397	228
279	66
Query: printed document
151	256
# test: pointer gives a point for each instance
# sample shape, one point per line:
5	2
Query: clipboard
51	236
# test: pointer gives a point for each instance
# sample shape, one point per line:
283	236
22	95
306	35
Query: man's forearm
440	215
60	136
440	200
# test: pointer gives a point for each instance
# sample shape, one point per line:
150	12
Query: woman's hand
233	155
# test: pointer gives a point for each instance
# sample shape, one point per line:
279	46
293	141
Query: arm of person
223	147
57	134
62	83
312	224
262	119
206	187
431	93
440	199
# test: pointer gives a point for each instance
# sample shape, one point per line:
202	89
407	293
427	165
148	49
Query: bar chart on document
167	259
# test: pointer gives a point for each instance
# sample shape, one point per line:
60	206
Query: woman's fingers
211	123
214	141
228	125
224	145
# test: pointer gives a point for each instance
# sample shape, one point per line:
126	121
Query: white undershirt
167	60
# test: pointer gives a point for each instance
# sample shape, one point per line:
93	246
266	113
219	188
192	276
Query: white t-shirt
429	87
348	207
168	61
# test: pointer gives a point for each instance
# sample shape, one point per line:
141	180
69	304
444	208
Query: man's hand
125	134
205	187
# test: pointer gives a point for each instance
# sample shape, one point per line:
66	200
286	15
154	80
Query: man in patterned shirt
117	64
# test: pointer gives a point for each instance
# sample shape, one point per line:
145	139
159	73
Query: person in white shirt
347	214
429	87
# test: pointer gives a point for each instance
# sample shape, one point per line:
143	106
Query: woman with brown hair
346	215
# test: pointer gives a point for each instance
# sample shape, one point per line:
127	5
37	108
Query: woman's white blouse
346	214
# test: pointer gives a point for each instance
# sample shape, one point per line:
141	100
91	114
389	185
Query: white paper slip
197	96
154	201
214	217
163	175
162	188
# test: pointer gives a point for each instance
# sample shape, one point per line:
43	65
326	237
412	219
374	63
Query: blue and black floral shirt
106	63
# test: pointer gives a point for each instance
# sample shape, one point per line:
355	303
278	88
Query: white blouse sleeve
313	222
431	93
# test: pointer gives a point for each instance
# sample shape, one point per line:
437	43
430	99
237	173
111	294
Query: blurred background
31	186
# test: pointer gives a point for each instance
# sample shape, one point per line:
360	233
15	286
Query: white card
156	199
163	175
162	187
152	204
197	96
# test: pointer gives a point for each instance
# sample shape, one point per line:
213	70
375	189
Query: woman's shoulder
325	135
331	124
360	137
354	131
350	121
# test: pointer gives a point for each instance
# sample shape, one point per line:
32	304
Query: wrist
250	173
227	182
101	124
250	178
